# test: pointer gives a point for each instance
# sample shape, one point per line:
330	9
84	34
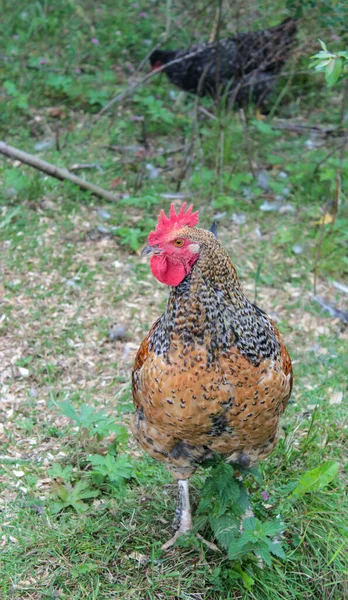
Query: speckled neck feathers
209	308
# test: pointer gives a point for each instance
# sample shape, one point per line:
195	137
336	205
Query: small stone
239	218
220	215
247	193
262	180
270	206
103	229
336	398
103	214
44	145
23	372
297	249
19	473
309	144
71	283
48	204
117	332
153	172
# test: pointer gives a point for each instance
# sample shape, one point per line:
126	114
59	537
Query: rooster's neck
209	310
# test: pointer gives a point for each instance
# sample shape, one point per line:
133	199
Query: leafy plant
94	423
114	469
130	236
224	502
258	537
334	65
59	472
72	496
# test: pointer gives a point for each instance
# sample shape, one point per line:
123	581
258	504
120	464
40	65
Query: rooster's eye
178	243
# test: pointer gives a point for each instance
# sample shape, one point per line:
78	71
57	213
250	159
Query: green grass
64	283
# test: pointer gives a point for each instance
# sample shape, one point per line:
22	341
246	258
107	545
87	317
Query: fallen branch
302	129
82	166
53	171
143	150
334	312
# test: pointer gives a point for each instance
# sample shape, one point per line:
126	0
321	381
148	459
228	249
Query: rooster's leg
183	519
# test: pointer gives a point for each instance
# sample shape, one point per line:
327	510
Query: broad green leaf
80	490
271	528
57	471
251	524
316	479
56	507
79	506
264	553
239	508
200	522
227	486
115	469
238	548
68	410
276	549
250	536
333	71
225	529
247	580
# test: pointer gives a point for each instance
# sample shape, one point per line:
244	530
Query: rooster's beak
151	250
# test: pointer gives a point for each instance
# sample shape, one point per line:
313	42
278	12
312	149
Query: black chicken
244	67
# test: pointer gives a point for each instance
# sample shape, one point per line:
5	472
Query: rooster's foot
183	520
172	540
199	537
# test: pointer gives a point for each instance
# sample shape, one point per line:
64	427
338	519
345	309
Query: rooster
212	376
246	67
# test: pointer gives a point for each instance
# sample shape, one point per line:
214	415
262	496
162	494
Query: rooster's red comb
175	221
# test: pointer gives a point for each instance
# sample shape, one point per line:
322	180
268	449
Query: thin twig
328	155
317	252
247	142
210	545
142	149
301	129
53	171
218	56
207	113
341	156
189	154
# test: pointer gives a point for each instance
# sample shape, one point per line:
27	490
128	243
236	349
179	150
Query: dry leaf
325	220
140	558
19	473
